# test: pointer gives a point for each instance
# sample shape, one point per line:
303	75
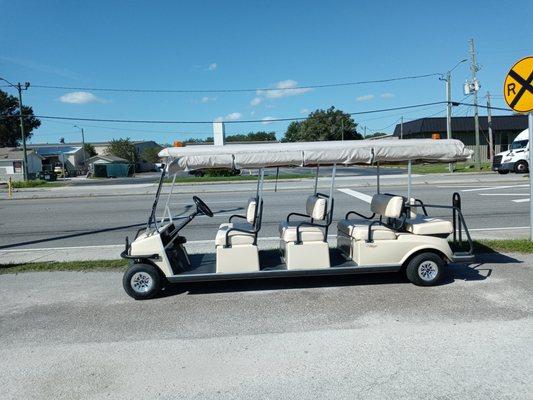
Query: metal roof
12	153
108	158
52	150
462	124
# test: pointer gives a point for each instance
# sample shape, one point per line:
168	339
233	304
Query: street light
20	88
448	80
82	145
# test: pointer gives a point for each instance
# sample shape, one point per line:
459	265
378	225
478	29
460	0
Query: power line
327	85
210	122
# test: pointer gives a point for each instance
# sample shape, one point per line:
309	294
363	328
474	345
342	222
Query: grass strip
523	246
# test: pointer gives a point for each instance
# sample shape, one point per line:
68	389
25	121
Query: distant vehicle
514	159
159	167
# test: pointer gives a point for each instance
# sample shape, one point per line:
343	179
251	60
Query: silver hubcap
521	167
428	270
141	282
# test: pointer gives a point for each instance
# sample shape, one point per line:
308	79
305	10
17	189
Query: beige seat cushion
422	225
235	237
354	229
287	232
316	207
250	210
387	205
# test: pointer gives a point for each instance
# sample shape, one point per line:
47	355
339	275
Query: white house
11	160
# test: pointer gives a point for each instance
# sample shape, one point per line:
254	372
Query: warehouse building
504	129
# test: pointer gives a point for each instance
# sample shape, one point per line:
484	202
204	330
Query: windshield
519	144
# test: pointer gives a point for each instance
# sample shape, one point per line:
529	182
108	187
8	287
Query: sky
204	45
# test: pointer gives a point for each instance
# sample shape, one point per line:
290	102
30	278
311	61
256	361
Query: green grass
443	168
208	178
504	246
100	265
523	246
36	183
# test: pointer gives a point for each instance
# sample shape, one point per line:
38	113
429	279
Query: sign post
518	93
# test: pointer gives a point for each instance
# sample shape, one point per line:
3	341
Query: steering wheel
202	207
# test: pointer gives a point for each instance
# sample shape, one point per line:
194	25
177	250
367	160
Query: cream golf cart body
395	233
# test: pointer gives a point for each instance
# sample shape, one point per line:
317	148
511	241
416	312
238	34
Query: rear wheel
425	269
521	167
503	172
142	281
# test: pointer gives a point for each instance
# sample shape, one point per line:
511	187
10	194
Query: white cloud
255	101
365	97
284	88
230	117
80	98
387	95
267	120
304	111
212	67
207	99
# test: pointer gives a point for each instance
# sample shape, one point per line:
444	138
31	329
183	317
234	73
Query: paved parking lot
69	335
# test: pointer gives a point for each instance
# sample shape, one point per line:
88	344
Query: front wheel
521	167
503	172
141	281
425	269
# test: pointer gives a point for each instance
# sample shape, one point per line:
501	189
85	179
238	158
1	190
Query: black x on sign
518	86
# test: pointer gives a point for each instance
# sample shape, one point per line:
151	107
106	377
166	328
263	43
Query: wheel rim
141	282
428	270
521	167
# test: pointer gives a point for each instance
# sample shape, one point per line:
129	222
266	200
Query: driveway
72	335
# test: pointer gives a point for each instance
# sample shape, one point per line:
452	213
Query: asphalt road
93	220
68	335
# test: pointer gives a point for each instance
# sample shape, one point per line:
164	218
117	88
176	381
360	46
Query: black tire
503	172
521	167
425	269
142	281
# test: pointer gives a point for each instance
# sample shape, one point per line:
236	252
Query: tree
89	149
330	124
123	148
10	135
260	136
151	154
377	134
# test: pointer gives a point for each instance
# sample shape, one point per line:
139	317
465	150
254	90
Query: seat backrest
251	210
316	207
387	205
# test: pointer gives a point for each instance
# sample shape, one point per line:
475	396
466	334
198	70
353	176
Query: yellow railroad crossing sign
518	86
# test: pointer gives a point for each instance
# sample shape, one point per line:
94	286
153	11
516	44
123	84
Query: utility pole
364	136
401	127
489	120
82	146
20	88
474	68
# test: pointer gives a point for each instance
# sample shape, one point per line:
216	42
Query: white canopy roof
303	154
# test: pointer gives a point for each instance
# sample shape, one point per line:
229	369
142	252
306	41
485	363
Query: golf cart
396	233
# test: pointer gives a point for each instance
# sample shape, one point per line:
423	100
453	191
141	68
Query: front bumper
504	167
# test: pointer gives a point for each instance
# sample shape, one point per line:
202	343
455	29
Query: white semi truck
516	158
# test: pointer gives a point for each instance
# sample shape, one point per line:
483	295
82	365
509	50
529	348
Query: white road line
508	228
361	196
521	200
494	188
504	194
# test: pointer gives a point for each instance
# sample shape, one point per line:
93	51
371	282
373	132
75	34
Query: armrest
254	232
369	240
360	215
298	214
237	216
299	234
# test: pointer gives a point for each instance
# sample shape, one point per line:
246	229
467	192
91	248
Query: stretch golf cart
395	233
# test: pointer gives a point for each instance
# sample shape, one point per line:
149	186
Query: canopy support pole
333	173
377	175
316	177
167	208
261	183
409	165
156	201
258	181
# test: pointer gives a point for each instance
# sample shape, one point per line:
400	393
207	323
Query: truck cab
516	158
